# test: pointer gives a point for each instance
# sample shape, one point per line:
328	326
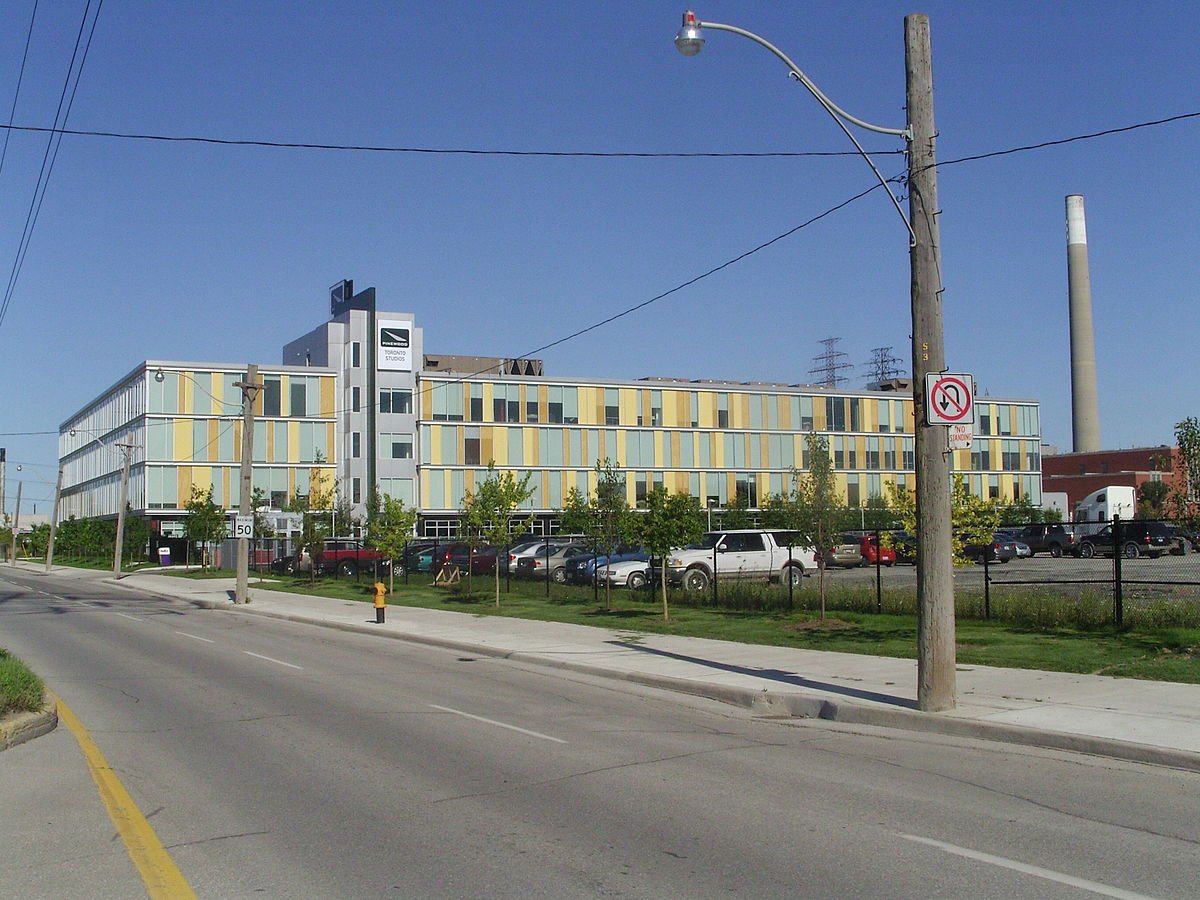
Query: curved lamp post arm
689	42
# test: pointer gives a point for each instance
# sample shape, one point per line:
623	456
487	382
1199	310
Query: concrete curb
21	727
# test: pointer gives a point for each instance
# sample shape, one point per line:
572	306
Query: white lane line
196	637
1049	874
467	715
269	659
127	616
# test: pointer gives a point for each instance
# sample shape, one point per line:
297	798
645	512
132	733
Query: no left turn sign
949	399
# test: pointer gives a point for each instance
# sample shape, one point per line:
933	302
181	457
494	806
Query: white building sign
393	347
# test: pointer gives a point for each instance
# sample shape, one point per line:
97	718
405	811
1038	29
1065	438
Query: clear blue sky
211	253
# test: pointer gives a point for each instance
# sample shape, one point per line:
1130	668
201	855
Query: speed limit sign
243	526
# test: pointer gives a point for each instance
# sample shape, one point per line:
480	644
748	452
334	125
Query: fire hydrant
380	603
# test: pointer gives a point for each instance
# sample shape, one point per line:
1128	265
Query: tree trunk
663	574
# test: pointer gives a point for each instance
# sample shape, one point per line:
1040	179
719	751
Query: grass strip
20	689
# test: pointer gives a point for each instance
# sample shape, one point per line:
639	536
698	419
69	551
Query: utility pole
16	526
126	451
250	388
54	519
935	563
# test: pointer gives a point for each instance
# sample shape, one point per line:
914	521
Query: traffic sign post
949	399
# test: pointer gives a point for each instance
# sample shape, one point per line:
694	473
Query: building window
531	411
722	410
612	407
299	398
355	444
396	446
356	490
355	399
271	393
471	447
394	401
355	354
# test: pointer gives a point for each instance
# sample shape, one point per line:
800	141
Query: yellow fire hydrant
380	602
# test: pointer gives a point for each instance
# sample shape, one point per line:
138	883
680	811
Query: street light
935	577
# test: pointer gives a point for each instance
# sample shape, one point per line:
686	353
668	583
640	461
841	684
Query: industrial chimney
1085	415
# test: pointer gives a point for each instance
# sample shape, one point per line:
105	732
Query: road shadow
776	675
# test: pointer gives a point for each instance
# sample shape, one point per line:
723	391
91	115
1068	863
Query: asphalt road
280	760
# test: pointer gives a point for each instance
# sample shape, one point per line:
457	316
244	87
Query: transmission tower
830	363
882	366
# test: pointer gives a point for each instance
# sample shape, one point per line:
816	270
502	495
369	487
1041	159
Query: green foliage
737	513
604	518
391	530
669	521
20	689
819	515
1021	512
258	503
205	523
973	519
1152	499
490	512
1184	501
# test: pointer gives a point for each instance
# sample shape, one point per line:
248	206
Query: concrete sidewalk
1144	721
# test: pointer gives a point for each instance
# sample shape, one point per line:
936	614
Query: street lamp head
159	376
689	41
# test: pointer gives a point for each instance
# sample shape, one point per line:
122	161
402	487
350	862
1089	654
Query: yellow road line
162	878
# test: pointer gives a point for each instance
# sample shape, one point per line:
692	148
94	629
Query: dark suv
1047	538
1151	539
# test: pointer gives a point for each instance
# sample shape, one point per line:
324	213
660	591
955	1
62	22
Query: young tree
816	498
136	537
973	519
737	513
668	521
490	512
604	518
1185	488
391	530
205	522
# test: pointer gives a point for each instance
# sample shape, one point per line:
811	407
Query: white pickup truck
743	554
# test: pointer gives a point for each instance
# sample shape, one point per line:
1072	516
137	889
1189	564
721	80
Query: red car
873	554
478	560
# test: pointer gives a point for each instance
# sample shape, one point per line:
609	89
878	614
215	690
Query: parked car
1024	551
737	554
1151	539
1186	540
875	554
847	552
508	561
1047	537
1000	549
583	568
478	560
346	556
555	562
630	573
905	545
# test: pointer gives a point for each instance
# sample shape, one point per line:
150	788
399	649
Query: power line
445	151
20	79
466	151
51	154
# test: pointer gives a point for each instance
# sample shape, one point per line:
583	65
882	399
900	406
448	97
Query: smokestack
1085	415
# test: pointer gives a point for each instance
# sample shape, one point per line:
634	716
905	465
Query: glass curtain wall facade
183	422
716	441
